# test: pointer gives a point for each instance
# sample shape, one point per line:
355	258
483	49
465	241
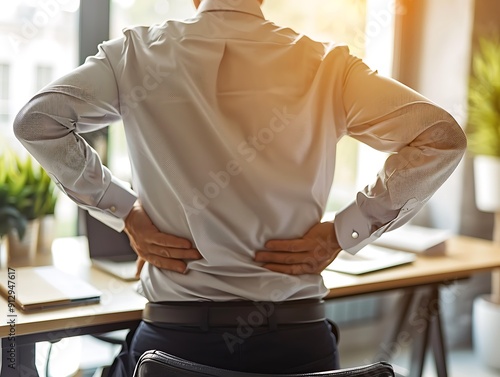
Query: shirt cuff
115	204
352	228
354	231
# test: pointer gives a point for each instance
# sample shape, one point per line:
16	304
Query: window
38	42
379	40
44	75
146	12
34	35
4	81
4	93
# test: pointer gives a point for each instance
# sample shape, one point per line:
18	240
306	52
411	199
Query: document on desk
38	288
370	258
416	239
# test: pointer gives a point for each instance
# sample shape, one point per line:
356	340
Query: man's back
229	121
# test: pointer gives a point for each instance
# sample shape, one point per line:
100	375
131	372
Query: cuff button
355	235
112	209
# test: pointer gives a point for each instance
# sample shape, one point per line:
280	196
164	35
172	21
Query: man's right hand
162	250
310	254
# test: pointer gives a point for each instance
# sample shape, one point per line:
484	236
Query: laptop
109	250
38	288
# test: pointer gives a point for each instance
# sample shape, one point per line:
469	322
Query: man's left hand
310	254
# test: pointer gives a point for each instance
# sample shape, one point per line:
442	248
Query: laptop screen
106	243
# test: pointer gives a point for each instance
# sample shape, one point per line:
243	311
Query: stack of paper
416	239
370	258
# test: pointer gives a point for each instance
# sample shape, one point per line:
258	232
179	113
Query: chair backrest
161	364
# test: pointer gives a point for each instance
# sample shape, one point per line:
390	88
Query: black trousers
284	349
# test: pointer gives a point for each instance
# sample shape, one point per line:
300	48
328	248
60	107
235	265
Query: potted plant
10	218
484	143
30	191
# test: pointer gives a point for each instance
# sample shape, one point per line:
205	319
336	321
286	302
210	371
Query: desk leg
438	346
429	328
18	362
421	336
391	344
425	325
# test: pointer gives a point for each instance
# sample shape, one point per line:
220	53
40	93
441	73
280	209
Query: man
232	124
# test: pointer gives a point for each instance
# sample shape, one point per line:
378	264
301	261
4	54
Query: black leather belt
238	313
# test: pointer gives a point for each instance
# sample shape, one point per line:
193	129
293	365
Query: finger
297	245
191	254
175	265
167	240
168	252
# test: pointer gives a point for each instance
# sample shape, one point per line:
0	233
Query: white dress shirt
232	124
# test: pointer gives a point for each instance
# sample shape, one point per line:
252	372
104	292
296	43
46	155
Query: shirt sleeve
425	145
49	125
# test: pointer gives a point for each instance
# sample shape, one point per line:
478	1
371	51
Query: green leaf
483	128
26	186
10	219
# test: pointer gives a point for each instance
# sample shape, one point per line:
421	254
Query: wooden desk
465	256
121	306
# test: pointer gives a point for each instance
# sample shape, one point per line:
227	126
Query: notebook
370	258
38	288
109	250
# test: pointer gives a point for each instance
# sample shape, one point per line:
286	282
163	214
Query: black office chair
160	364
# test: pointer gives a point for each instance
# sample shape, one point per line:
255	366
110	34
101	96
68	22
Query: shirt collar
243	6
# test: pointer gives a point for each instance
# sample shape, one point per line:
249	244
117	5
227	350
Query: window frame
94	26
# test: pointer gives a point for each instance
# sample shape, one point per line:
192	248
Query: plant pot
3	252
23	252
487	183
486	330
46	234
